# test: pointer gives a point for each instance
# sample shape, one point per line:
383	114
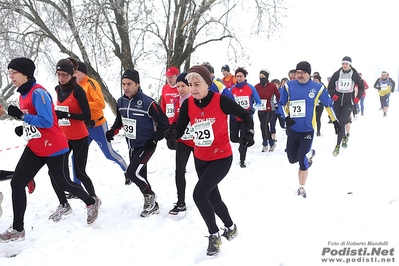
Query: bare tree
158	31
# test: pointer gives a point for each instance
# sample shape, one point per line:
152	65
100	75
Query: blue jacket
299	101
142	119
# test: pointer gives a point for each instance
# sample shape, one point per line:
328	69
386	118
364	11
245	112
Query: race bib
170	110
203	134
262	107
129	126
297	108
188	133
345	85
384	87
242	101
30	132
64	122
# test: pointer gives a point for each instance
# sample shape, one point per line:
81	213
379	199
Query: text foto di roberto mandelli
355	243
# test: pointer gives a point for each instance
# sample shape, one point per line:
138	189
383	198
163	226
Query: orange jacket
95	98
229	81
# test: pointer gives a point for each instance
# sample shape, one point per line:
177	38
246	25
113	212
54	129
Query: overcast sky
323	34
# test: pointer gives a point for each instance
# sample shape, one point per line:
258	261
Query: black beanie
265	72
66	68
226	67
304	66
182	77
23	65
131	74
317	77
347	60
82	67
203	71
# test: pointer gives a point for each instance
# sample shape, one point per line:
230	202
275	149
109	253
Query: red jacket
266	96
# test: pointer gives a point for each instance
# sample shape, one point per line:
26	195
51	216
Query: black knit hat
265	72
304	66
347	60
182	78
317	77
66	68
131	74
82	67
226	67
209	67
203	71
23	65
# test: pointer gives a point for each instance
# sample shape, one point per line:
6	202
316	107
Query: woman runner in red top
72	110
47	145
207	113
184	146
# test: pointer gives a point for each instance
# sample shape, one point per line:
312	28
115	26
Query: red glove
335	97
356	100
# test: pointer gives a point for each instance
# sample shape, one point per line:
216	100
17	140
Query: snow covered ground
353	198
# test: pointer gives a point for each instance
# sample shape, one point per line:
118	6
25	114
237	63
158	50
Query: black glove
248	139
337	126
14	112
90	123
251	111
151	144
289	121
19	130
110	135
62	114
171	134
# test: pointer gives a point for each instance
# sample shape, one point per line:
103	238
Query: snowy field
353	198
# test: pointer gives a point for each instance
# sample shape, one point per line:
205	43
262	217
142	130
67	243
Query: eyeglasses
12	73
301	72
63	75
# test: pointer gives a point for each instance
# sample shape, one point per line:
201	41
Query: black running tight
206	192
28	166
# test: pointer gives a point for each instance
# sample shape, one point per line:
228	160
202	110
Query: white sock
231	227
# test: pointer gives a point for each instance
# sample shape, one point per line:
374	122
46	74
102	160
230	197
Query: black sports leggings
237	130
343	114
28	166
137	168
206	192
182	155
79	149
265	119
